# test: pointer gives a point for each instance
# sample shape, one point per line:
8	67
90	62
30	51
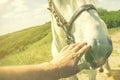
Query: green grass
36	53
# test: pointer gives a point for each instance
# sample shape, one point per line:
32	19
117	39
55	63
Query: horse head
74	21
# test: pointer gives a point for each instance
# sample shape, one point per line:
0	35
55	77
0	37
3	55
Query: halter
62	22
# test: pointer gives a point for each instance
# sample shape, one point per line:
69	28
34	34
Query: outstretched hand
67	61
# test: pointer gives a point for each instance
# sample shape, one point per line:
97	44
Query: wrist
60	70
55	69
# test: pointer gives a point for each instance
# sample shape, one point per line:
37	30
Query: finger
71	46
82	51
79	46
64	48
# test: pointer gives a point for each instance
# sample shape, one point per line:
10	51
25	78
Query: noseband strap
79	11
62	22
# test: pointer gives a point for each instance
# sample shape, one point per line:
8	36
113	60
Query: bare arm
28	72
66	64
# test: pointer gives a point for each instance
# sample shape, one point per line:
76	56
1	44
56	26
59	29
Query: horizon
22	14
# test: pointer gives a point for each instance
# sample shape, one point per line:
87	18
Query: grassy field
112	31
29	46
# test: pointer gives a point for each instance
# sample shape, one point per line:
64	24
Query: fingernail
88	46
85	42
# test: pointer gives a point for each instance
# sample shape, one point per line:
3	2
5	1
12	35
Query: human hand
67	61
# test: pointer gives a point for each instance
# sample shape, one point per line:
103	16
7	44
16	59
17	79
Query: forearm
44	71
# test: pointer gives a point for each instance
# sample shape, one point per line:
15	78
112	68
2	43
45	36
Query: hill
26	46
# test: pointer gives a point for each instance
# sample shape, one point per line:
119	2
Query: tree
111	18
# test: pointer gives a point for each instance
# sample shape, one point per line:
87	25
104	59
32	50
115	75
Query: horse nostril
95	42
110	41
94	64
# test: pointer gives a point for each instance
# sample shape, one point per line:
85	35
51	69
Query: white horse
74	21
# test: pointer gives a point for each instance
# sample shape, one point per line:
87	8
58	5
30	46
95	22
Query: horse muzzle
99	52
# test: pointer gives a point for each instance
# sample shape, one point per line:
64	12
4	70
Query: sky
20	14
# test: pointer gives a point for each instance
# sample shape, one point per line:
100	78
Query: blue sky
19	14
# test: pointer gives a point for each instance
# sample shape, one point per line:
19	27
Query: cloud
3	1
40	9
108	4
4	5
16	7
7	15
100	0
20	8
19	5
19	14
